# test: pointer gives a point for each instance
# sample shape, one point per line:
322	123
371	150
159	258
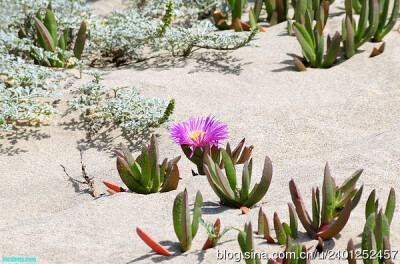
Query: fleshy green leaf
80	41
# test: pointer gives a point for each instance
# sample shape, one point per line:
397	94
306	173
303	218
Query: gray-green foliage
127	34
183	41
184	9
69	14
25	91
122	105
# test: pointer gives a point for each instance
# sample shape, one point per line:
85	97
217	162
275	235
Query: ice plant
312	41
337	203
294	254
48	39
225	187
246	242
185	229
375	243
144	174
354	36
372	205
282	230
195	134
385	24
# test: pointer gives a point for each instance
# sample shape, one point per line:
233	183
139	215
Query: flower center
194	135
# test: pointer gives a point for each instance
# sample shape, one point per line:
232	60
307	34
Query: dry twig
87	180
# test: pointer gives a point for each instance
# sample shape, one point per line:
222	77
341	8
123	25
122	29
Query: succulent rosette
193	137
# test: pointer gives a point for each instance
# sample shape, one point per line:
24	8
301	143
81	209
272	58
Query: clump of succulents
277	10
144	174
313	7
48	37
375	243
293	254
225	184
372	205
312	41
337	204
355	35
237	7
246	242
386	24
185	228
282	230
122	105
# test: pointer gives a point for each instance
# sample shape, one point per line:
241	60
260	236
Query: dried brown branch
87	180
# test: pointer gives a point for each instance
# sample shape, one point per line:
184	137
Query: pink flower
199	132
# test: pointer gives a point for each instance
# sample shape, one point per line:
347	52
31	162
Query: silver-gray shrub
124	106
25	90
189	10
69	14
128	34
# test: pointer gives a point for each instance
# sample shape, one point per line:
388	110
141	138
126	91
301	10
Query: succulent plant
239	155
185	229
313	6
237	8
48	39
312	41
225	185
282	230
277	11
246	242
375	244
337	203
354	36
293	254
385	24
372	205
144	174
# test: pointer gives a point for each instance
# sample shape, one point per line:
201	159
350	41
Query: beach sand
347	115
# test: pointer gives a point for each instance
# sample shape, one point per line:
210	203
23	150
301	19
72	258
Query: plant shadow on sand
176	251
21	132
171	246
104	139
206	61
211	208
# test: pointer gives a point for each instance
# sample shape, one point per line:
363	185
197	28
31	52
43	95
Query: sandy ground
347	115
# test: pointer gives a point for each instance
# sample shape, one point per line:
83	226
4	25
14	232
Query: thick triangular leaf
80	41
263	186
338	225
45	35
